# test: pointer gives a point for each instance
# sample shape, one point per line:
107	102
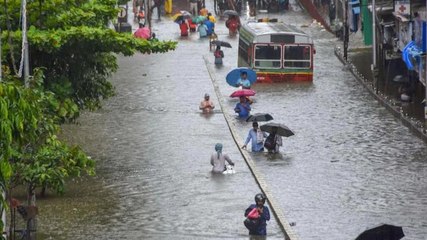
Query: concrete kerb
419	131
276	210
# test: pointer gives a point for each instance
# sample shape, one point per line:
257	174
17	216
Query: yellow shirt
212	19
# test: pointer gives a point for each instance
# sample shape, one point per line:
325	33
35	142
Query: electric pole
374	47
346	30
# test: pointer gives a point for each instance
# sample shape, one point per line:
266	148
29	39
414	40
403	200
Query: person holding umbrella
273	142
256	136
233	24
243	107
219	55
245	84
244	81
183	26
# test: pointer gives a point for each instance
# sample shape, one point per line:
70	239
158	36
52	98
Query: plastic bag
253	214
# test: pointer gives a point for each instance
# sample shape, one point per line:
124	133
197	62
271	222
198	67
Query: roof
261	28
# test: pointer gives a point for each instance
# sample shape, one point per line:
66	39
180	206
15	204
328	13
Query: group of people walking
259	139
204	23
256	214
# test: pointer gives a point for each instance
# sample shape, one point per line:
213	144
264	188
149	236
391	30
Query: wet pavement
350	166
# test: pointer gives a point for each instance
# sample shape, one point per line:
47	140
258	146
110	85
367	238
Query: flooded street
350	166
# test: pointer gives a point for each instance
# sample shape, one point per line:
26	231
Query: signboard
402	7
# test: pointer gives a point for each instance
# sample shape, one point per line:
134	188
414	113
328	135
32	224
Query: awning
400	17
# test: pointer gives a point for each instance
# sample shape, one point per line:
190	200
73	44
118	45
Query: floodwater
350	166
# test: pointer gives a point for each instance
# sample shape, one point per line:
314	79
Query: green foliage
30	152
71	40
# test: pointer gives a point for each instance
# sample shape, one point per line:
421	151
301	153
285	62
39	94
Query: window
243	51
297	56
268	56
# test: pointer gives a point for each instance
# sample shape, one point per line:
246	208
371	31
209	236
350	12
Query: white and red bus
276	51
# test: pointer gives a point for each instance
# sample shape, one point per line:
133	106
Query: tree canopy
74	43
73	53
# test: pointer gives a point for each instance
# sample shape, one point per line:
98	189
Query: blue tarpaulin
411	54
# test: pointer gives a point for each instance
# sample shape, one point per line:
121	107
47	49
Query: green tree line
73	52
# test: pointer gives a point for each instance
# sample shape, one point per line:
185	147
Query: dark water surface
350	165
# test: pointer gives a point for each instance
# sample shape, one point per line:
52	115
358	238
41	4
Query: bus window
267	56
243	51
297	56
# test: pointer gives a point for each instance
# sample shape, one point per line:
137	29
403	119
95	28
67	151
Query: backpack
252	220
269	143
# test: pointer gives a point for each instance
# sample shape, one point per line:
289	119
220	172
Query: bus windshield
268	56
297	56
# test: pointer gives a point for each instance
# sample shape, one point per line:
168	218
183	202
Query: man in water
206	105
256	136
218	159
243	107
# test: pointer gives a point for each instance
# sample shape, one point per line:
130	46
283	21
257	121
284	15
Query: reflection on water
350	165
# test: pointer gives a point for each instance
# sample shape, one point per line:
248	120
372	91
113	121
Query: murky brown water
350	166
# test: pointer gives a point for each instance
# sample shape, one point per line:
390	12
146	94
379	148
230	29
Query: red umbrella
143	32
243	93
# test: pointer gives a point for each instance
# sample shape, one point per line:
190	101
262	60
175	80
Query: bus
276	51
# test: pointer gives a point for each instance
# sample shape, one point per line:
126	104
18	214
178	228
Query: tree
30	152
71	40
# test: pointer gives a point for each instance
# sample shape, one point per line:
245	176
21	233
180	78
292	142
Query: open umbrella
221	43
243	93
181	16
234	75
259	117
186	14
198	19
230	13
143	32
282	130
383	232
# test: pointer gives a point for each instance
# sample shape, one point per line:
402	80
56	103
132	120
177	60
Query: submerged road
350	166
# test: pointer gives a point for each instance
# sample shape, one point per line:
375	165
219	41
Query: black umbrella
230	13
281	129
383	232
221	43
259	117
